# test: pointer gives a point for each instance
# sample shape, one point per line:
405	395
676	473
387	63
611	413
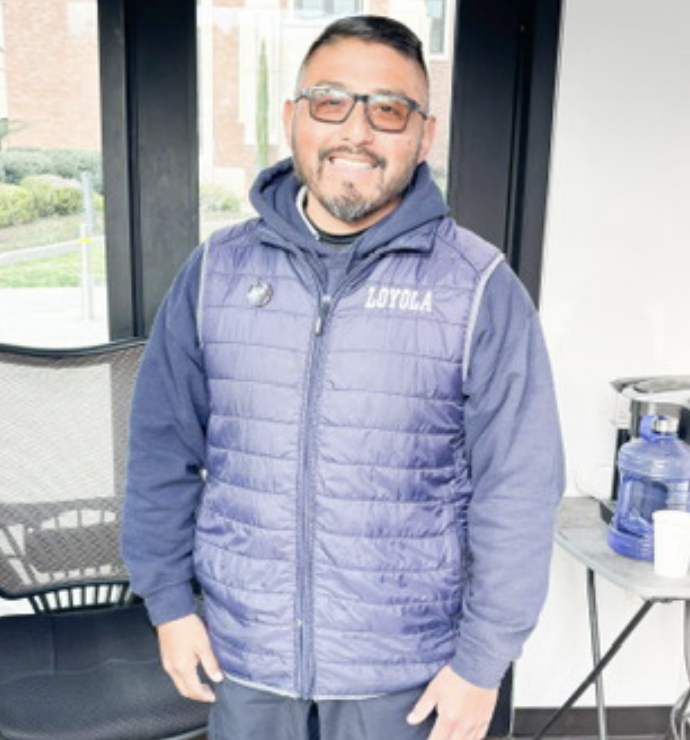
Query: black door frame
506	58
148	64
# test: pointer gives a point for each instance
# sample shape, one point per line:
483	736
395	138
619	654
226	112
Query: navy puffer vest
331	536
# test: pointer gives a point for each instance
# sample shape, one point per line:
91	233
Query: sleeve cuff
170	602
478	667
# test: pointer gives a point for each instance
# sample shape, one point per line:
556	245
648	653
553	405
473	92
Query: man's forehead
378	64
342	45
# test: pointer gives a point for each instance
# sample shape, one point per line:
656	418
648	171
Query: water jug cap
658	425
665	425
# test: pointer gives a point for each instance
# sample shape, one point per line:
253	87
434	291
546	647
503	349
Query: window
321	8
249	56
52	273
436	10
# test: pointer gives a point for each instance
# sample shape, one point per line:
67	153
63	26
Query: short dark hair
375	29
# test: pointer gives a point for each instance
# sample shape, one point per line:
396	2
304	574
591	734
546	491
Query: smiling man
344	429
357	169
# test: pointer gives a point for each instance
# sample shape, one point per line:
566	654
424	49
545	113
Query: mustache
356	151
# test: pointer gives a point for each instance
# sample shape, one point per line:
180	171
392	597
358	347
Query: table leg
605	660
596	653
686	637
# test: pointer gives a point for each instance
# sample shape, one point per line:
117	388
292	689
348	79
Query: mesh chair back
64	418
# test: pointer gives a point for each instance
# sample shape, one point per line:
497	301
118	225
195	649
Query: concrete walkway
53	317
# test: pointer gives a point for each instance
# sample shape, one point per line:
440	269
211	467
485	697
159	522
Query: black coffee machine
637	397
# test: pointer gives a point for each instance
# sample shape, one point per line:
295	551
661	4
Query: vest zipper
306	495
306	492
322	315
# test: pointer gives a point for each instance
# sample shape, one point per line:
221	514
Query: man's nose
356	126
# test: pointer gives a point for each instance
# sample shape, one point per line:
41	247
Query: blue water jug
654	473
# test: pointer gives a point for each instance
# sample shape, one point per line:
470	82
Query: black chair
80	659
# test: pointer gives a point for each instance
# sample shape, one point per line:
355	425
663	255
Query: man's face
354	174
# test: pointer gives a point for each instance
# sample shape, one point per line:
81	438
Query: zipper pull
324	307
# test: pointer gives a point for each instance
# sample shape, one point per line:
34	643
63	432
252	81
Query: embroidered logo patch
401	299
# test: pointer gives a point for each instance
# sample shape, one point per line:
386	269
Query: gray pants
241	713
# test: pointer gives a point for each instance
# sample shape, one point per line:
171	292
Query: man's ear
288	119
427	138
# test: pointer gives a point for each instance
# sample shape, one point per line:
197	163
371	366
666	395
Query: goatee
349	205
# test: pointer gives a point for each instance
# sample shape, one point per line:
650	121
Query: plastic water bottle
654	473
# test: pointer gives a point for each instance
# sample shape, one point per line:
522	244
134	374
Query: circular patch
259	294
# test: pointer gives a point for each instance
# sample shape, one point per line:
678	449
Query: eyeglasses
384	112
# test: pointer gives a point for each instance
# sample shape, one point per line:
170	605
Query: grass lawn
40	232
63	271
60	271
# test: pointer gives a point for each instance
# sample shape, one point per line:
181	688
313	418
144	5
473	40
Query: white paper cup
671	543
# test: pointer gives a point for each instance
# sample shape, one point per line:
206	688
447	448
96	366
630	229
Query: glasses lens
388	113
330	105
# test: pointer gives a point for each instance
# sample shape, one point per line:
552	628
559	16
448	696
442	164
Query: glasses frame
308	94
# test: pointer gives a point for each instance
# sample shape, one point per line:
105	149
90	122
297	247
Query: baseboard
579	721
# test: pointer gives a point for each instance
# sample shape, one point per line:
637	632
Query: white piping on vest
200	296
474	312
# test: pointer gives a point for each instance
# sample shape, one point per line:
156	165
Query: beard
349	205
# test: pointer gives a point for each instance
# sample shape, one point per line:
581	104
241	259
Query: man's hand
184	644
463	710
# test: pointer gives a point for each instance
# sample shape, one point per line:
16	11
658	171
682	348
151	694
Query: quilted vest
330	540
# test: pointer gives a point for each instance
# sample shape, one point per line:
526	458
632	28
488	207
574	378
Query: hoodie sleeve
166	455
516	462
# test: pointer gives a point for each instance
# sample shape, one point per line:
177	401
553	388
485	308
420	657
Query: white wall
615	302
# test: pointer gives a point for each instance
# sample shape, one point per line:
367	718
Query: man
344	428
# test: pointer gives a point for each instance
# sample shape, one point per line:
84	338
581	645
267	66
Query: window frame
150	153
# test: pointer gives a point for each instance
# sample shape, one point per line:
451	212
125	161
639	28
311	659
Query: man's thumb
422	709
211	667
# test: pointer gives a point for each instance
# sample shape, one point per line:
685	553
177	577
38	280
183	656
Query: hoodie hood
274	196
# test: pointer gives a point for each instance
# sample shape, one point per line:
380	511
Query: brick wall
51	63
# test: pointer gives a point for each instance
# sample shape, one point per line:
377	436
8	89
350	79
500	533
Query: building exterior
248	54
49	79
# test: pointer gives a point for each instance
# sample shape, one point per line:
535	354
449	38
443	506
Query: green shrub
70	163
53	195
16	205
16	164
214	197
21	163
98	202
